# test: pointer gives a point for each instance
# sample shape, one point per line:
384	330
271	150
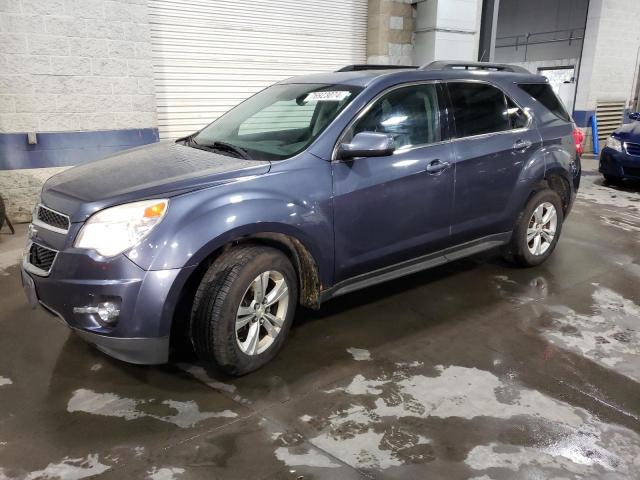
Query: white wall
610	53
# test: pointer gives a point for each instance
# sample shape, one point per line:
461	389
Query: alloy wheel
542	228
262	312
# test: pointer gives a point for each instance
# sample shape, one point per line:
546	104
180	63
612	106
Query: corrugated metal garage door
211	54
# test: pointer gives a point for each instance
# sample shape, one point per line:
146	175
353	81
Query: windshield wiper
242	152
219	146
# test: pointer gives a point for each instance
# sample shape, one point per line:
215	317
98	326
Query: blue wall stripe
60	149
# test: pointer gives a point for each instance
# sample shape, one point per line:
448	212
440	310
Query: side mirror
367	144
634	116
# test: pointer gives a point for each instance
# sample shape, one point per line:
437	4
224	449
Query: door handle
436	166
522	144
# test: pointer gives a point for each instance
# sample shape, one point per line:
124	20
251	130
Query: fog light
107	311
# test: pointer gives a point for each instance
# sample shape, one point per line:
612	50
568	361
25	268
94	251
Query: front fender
198	223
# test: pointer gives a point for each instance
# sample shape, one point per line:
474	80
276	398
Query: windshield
276	123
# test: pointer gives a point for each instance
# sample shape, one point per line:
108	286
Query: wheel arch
298	253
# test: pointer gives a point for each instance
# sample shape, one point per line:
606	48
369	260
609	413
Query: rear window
543	93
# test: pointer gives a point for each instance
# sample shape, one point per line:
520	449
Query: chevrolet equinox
314	187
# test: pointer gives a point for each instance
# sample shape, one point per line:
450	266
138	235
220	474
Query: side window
478	108
543	93
282	115
517	118
410	114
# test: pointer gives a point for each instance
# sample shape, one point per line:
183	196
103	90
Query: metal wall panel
209	55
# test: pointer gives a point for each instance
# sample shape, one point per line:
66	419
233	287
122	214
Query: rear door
394	208
494	139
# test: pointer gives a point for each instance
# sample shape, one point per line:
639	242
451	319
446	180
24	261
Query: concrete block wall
609	56
390	32
67	68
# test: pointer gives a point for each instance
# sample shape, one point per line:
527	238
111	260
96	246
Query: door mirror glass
367	144
634	116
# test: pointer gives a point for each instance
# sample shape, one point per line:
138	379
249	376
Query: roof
365	77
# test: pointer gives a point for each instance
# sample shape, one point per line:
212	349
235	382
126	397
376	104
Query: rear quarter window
544	94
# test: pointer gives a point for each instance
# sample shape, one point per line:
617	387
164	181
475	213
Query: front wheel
244	308
537	231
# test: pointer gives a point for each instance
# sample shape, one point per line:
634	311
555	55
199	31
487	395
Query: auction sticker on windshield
327	96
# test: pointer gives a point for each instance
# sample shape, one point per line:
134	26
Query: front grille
52	218
632	171
41	257
633	148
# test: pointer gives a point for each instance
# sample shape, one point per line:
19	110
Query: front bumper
619	164
146	301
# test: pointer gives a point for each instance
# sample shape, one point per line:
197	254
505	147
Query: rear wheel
537	231
244	308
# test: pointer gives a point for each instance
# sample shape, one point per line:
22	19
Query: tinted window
478	108
543	93
517	118
410	114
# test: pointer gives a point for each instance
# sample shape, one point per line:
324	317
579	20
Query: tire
232	281
612	180
519	249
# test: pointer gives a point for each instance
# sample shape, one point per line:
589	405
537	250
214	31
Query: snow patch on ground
609	335
187	414
360	386
371	427
167	473
70	469
359	354
292	457
606	195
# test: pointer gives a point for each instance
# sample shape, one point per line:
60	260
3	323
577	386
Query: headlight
613	142
114	230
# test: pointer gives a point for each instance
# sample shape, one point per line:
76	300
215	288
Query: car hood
161	169
629	132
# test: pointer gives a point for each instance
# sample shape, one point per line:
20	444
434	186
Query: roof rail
458	65
357	68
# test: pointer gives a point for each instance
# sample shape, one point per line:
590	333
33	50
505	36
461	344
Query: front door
394	208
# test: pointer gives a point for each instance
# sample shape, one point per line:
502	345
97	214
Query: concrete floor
472	370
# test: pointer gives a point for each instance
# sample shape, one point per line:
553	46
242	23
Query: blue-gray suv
316	186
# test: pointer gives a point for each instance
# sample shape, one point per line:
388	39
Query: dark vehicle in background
314	187
620	158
